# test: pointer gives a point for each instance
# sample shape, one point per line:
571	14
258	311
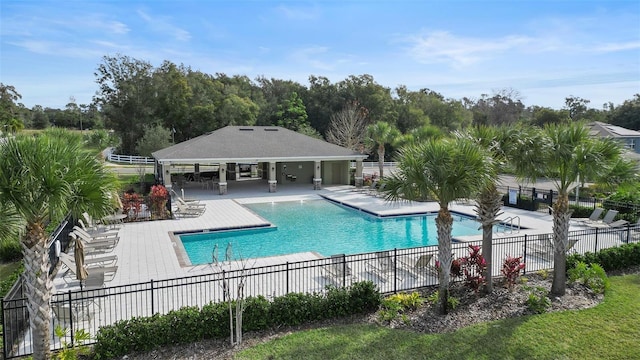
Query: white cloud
298	13
162	25
444	47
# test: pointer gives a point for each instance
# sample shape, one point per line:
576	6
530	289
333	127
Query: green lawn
608	331
7	269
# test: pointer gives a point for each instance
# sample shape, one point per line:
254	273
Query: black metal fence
16	323
393	271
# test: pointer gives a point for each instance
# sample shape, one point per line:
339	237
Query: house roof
254	144
608	130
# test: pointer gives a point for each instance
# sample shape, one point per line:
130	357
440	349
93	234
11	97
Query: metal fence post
524	254
71	315
4	326
595	250
152	299
395	270
287	277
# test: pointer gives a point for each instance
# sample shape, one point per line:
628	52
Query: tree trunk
488	210
444	223
561	217
38	287
381	159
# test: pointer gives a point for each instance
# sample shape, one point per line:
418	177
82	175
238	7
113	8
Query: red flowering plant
132	204
471	267
159	196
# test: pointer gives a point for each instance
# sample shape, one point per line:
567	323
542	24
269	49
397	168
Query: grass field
609	331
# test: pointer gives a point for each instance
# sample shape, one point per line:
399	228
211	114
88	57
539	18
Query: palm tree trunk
38	288
561	217
488	210
381	159
444	224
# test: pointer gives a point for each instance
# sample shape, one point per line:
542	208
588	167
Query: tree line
176	103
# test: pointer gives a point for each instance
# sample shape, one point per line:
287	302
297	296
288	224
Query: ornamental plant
132	203
511	270
159	196
471	267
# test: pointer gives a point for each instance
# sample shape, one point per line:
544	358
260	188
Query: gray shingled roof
254	143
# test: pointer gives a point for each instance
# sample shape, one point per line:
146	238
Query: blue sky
545	50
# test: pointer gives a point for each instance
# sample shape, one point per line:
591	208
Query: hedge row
615	258
192	324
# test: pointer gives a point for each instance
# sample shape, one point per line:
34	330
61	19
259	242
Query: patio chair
543	246
338	271
67	315
418	265
609	216
611	225
94	247
95	280
382	266
192	204
109	272
95	239
97	231
108	260
186	211
595	216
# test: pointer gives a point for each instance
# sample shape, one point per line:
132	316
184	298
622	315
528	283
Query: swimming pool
320	226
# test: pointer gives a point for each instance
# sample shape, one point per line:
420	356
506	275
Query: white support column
273	182
166	175
359	179
222	186
317	175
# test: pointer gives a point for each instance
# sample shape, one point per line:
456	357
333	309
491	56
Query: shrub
10	250
511	269
615	258
212	321
580	211
538	302
472	267
7	283
593	276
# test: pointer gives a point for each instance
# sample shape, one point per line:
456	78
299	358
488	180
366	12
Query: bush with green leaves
591	275
191	324
537	302
581	211
7	283
398	304
615	258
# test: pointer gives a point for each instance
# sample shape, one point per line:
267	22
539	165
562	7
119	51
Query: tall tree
504	107
9	122
127	97
498	143
292	113
347	127
444	170
627	115
378	136
566	154
576	106
43	178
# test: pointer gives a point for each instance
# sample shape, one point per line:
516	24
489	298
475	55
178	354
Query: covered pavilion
271	154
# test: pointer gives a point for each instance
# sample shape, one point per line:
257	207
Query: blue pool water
320	226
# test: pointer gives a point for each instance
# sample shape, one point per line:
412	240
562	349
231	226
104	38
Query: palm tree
444	170
42	179
498	141
566	153
379	135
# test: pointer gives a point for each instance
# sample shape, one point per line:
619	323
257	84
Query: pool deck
146	250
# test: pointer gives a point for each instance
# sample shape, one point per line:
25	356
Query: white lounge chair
418	265
94	247
382	266
543	246
338	271
95	239
186	211
109	272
